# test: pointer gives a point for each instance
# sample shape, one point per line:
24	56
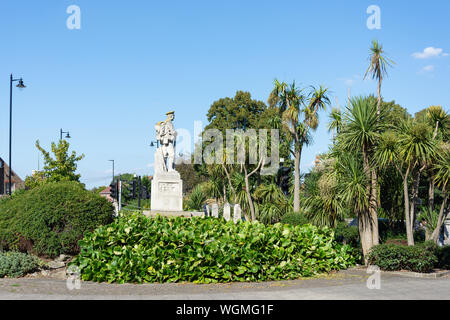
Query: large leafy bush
50	219
16	264
138	249
295	219
394	257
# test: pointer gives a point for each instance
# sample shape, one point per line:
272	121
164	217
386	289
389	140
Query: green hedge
136	249
295	219
16	264
347	234
394	257
50	219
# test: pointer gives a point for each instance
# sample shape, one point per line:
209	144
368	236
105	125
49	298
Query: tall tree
410	148
360	134
299	113
378	68
443	179
63	166
378	71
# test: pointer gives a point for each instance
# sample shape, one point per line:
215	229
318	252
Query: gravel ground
344	285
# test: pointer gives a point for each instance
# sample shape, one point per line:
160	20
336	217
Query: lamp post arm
10	132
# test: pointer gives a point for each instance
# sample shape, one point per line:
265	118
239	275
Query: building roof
107	190
15	178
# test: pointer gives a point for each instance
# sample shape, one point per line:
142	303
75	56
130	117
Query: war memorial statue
167	185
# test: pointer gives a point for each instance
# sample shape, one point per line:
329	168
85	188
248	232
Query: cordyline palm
335	124
378	67
323	204
442	179
410	149
439	119
360	135
299	113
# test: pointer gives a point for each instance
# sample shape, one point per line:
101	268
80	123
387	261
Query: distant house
106	193
16	182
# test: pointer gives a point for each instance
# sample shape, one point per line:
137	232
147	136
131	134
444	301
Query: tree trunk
298	152
379	99
431	194
365	219
249	196
409	234
412	207
442	215
365	234
373	208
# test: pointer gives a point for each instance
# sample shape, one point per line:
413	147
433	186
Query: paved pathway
347	285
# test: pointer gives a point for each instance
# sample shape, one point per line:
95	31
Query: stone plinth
167	192
183	214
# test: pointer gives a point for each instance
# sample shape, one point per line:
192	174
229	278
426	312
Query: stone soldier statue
166	136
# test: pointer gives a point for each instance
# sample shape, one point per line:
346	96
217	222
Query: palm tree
378	68
299	114
439	119
410	149
443	179
323	203
335	124
360	135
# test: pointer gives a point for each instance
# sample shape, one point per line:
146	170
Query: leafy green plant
138	249
443	254
295	219
196	199
347	234
50	219
16	264
393	257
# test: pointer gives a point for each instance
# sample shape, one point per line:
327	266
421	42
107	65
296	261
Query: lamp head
21	85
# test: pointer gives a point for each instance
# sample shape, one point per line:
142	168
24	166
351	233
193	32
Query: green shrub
393	257
295	219
443	254
50	219
16	264
347	234
138	249
196	199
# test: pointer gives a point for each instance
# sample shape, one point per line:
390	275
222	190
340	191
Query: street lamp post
20	86
113	170
61	134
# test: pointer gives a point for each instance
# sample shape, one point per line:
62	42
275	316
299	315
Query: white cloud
430	52
151	165
350	81
427	70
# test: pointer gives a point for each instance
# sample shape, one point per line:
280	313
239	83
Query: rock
45	273
63	258
56	264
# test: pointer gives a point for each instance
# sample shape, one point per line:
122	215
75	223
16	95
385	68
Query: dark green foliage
138	249
196	199
391	229
394	257
295	219
50	219
16	264
443	254
347	234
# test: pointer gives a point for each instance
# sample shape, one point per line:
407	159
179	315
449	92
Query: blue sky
132	61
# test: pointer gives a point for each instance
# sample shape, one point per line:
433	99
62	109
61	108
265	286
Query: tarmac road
344	285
